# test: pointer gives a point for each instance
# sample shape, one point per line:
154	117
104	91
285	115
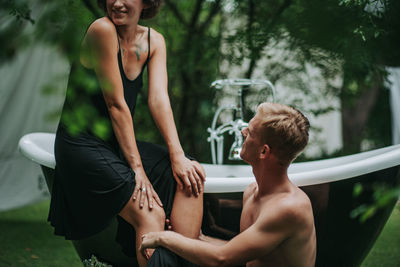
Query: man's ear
265	152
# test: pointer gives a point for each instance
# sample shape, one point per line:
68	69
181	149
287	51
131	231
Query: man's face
252	144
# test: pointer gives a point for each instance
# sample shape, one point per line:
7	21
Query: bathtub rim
357	164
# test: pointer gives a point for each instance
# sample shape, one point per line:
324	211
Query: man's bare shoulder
250	189
289	208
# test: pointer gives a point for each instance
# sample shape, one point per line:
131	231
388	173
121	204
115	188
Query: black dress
93	181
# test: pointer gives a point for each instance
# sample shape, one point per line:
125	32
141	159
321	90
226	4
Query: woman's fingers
199	170
142	195
157	198
149	192
198	181
168	224
195	188
178	181
136	191
186	184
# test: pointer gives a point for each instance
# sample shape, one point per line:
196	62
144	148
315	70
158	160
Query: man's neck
271	178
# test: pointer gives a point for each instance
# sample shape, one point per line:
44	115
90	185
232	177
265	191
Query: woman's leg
144	221
187	214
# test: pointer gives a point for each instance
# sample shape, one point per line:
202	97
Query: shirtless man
277	224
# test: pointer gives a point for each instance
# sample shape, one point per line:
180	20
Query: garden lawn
26	239
386	251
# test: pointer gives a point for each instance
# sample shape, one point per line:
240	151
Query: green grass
26	239
386	251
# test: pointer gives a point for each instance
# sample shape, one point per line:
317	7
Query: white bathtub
341	240
39	147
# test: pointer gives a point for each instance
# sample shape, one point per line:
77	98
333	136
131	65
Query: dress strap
148	40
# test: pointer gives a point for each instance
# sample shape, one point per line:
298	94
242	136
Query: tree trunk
355	115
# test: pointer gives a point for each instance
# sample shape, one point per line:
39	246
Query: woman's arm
186	172
101	40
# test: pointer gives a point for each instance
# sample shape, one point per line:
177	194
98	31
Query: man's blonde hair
284	129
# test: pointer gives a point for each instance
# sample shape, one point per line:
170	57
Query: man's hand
150	240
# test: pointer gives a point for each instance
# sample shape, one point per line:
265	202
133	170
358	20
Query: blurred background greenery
350	41
354	40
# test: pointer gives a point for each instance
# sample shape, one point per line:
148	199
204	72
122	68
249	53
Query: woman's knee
138	217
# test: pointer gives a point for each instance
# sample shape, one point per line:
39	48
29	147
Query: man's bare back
300	249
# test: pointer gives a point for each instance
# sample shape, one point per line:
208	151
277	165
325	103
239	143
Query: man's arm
212	240
260	239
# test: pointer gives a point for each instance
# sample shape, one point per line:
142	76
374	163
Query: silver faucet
233	127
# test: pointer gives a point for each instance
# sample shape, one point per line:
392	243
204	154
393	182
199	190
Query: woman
104	173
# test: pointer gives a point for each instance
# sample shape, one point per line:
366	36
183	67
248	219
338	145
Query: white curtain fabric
394	85
25	108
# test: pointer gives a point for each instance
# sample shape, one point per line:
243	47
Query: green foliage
94	262
383	195
15	17
192	33
337	36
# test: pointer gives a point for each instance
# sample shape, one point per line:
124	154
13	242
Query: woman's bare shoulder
100	37
156	40
101	28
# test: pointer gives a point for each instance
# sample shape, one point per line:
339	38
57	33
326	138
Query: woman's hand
144	190
189	174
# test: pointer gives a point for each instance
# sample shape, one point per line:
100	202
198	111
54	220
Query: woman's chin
118	20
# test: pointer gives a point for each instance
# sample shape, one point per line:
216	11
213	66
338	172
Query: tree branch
283	7
249	36
196	13
214	10
256	49
91	8
176	12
